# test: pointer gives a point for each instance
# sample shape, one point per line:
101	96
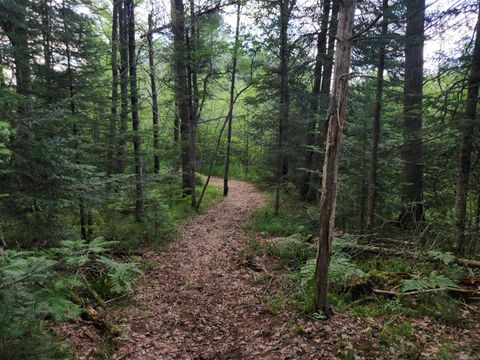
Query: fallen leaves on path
198	303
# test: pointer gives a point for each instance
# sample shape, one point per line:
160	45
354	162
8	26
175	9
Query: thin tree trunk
412	107
122	136
312	194
466	145
193	100
231	104
364	188
139	200
113	114
47	49
372	178
312	126
181	90
212	164
335	119
82	213
153	86
282	167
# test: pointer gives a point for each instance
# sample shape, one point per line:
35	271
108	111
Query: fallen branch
417	292
92	291
94	317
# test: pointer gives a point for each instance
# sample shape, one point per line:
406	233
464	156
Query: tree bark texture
466	145
412	108
321	133
372	178
153	88
137	153
113	113
181	90
335	119
284	92
123	44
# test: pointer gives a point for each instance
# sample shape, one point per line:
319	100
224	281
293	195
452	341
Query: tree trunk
312	126
45	10
82	212
122	136
153	86
193	100
282	166
335	119
139	200
372	178
466	145
412	108
181	90
113	114
313	183
231	104
15	29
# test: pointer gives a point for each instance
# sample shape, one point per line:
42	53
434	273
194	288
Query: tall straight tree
192	43
372	179
154	95
412	112
312	194
123	125
466	144
335	119
132	60
181	90
113	113
75	130
286	7
231	104
317	79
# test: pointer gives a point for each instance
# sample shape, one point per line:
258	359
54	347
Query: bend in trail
197	303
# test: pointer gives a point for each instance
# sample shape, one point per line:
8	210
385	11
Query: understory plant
53	285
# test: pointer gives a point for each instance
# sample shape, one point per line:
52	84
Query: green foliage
121	275
421	283
446	257
292	251
342	273
292	219
38	286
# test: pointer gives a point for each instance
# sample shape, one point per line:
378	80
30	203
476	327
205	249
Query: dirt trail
197	303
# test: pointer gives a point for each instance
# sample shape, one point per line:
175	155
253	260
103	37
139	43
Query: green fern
446	257
433	281
121	275
342	272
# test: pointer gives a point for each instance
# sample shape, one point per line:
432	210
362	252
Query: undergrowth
287	238
56	284
52	285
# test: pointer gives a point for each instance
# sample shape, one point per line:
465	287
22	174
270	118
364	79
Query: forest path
197	303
